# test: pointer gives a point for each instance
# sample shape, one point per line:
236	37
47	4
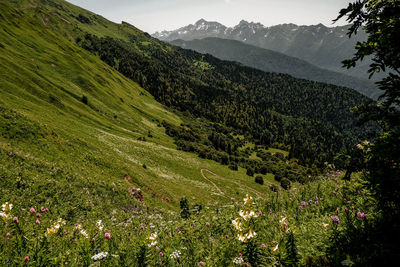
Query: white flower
7	207
248	200
175	255
99	225
4	216
238	260
250	234
152	238
275	249
100	256
237	224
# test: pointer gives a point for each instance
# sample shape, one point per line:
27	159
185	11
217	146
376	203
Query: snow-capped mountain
323	46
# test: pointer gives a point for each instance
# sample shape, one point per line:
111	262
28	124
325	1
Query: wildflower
5	216
284	224
152	239
263	245
201	263
15	220
38	215
100	256
335	219
161	254
32	210
79	228
47	210
238	260
207	224
241	237
303	204
26	258
107	235
325	225
248	200
275	248
301	208
93	240
250	234
37	221
54	228
361	215
175	255
42	209
237	224
99	225
7	207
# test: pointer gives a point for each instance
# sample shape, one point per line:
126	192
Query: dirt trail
216	186
231	180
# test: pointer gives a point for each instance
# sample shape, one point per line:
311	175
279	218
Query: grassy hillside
48	129
77	139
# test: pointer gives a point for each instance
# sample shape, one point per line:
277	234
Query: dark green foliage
375	242
285	183
273	188
185	209
250	171
292	257
312	117
259	180
83	19
84	100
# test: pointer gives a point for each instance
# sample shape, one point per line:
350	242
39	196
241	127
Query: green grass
58	152
43	79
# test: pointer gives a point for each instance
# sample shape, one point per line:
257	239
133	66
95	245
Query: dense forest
312	118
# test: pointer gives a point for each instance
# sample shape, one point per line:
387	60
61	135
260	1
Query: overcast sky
158	15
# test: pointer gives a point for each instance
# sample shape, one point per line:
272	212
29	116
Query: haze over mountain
322	46
271	61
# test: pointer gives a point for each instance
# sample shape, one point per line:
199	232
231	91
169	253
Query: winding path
231	180
216	186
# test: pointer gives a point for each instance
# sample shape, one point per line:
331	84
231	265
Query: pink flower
226	236
32	210
15	219
26	258
38	215
207	224
107	235
335	219
161	254
240	255
47	209
42	209
260	213
93	240
263	245
201	263
141	227
37	221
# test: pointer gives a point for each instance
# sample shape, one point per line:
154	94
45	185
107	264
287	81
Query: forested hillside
271	61
313	118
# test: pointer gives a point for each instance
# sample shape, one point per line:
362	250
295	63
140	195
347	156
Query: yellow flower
252	214
241	237
251	234
248	200
237	223
275	249
153	236
7	207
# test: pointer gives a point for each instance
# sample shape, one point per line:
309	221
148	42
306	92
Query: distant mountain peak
201	21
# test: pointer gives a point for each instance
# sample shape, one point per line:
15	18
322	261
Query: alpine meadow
203	146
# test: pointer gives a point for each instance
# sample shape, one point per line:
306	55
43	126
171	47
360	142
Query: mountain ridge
318	44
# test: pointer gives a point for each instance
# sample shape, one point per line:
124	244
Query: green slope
59	150
271	61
